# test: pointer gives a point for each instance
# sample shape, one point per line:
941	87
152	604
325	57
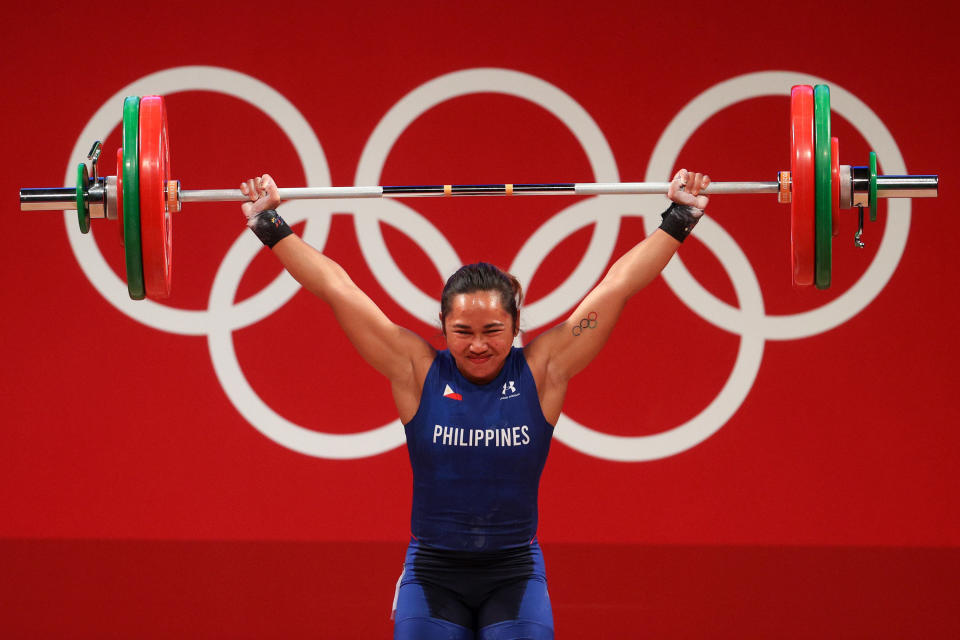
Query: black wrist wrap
269	227
679	220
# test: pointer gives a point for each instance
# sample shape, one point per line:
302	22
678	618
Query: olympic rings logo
749	320
590	322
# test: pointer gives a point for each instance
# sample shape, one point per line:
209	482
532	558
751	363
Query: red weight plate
120	192
155	221
803	203
835	182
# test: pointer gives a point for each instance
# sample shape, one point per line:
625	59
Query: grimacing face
479	333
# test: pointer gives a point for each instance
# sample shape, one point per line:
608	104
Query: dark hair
483	276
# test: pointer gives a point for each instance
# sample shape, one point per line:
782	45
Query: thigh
520	610
430	629
420	614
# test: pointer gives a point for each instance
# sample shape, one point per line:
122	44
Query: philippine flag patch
450	393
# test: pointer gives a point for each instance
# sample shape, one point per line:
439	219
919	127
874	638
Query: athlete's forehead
477	302
477	308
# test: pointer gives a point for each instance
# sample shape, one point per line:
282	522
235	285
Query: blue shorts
464	595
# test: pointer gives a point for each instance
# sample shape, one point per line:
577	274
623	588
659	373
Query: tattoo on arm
590	322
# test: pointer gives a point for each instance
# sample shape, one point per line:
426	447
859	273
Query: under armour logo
508	385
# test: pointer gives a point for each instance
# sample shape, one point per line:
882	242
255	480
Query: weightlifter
478	417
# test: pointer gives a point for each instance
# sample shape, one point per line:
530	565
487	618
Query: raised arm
399	354
564	350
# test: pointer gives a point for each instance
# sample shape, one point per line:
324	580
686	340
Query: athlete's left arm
559	353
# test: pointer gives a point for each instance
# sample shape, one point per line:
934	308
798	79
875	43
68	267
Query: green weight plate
824	186
872	202
131	198
83	214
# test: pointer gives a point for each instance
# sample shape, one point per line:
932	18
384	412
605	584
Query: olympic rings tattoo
590	322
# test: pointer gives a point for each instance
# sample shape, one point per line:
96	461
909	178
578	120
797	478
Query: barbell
143	197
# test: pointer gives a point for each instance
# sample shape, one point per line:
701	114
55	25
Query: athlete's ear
443	326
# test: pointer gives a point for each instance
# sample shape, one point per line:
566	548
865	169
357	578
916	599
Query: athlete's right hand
685	189
263	194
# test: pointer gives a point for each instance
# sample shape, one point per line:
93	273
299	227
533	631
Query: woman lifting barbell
478	417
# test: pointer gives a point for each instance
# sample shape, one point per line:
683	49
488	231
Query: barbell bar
888	186
816	187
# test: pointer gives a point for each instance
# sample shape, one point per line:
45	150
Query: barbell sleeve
48	199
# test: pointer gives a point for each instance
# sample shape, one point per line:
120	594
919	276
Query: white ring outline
750	321
716	414
260	415
461	83
242	87
889	251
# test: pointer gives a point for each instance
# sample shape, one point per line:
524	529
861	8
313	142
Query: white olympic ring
749	321
450	86
240	86
890	249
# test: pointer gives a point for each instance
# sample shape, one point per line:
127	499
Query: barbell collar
96	197
846	186
111	204
859	186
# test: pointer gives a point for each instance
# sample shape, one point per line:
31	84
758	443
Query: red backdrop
792	453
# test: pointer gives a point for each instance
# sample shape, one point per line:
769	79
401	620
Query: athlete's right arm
398	353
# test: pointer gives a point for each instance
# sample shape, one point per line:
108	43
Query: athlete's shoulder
525	360
442	359
431	364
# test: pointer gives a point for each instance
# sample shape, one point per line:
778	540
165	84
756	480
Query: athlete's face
479	333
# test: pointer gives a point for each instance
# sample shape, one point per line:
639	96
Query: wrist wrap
269	227
679	220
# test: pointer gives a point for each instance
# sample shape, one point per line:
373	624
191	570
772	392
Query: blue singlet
477	452
473	568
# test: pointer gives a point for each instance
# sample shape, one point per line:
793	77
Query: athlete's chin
481	370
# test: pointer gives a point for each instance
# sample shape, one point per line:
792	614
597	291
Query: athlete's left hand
263	194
